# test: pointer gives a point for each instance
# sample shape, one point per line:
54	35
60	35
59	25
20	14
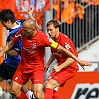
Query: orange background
81	77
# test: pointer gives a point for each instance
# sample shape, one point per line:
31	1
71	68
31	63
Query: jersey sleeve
18	36
47	41
69	45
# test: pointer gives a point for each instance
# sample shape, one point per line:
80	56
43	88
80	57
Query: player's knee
14	91
50	84
38	95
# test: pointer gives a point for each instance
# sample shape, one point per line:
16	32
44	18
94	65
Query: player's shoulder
19	33
64	36
41	33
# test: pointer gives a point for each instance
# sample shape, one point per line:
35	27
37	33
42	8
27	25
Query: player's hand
30	11
85	63
1	53
56	68
46	68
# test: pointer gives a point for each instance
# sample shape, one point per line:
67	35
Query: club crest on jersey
34	46
67	46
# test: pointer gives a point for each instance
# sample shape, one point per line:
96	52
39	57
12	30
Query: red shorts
62	76
37	77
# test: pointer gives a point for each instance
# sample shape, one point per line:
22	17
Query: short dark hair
54	22
7	14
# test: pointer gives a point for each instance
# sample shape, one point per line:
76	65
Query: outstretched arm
6	48
11	52
30	14
82	63
51	59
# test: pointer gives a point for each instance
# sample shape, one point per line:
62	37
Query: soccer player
31	65
53	34
12	59
67	66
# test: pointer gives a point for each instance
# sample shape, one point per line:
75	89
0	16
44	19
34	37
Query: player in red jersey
67	67
32	61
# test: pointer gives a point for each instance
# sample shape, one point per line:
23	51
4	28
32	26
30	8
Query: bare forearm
7	47
68	53
67	63
12	52
51	59
30	12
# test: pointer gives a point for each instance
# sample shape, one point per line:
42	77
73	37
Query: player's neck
57	34
14	24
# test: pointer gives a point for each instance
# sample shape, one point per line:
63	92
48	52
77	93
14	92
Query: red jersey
33	50
67	43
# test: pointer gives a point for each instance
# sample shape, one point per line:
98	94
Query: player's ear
57	29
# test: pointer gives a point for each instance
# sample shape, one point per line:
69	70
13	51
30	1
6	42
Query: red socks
22	96
48	93
56	95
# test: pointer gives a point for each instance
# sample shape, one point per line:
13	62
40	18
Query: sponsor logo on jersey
28	50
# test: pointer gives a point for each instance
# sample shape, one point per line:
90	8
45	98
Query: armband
54	44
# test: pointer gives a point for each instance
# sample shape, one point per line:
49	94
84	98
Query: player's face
52	31
28	32
6	25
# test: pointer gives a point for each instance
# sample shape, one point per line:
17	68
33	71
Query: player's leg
19	79
37	80
3	72
55	94
11	71
37	90
59	78
16	90
49	91
29	93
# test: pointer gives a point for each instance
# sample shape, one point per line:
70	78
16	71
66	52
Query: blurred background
79	20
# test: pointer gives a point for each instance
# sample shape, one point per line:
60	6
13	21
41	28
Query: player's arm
51	59
11	52
7	47
67	63
68	53
30	14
